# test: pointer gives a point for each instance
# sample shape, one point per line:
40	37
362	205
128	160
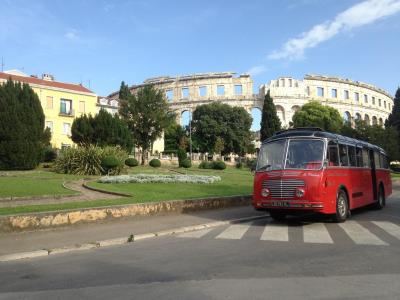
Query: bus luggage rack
282	188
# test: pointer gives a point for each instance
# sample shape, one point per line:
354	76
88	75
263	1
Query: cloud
71	34
256	70
358	15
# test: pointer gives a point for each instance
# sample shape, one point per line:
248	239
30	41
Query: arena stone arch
347	117
367	120
280	111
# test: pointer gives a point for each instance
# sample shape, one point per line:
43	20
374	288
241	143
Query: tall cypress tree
124	91
394	117
22	132
270	122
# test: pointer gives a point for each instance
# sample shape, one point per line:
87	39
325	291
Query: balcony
67	113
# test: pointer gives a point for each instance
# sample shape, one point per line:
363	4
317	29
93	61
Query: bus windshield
301	154
304	154
271	156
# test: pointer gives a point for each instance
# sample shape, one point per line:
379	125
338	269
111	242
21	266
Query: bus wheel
277	215
381	199
341	207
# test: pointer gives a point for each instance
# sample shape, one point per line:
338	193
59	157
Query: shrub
109	163
155	163
88	160
205	165
251	163
218	165
181	156
131	162
186	163
239	165
49	154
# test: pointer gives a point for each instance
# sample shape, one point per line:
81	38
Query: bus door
373	174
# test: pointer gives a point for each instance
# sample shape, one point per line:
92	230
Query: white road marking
316	233
389	227
275	232
195	234
234	232
360	235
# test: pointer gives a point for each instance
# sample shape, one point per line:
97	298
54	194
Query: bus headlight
300	192
265	192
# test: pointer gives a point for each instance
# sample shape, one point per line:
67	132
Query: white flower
150	178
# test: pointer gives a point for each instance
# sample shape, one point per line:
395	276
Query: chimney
48	77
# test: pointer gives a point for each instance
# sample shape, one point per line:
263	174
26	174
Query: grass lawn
33	183
395	175
41	182
234	182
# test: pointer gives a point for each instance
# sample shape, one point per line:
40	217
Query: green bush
131	162
88	160
109	163
239	165
49	154
251	163
218	165
155	163
181	156
186	163
205	165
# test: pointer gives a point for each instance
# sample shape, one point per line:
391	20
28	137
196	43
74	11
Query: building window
82	107
203	91
308	91
389	105
357	97
220	90
320	91
185	93
373	100
66	107
290	82
170	95
379	102
49	124
49	102
346	95
283	82
67	128
238	89
384	104
365	98
334	93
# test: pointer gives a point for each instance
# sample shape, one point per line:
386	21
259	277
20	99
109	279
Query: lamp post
190	133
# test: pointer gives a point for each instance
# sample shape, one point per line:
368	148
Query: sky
100	43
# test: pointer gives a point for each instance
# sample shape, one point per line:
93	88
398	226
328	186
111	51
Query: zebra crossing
377	233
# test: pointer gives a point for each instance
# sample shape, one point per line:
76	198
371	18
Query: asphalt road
303	258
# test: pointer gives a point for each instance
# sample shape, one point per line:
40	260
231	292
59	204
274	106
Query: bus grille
282	188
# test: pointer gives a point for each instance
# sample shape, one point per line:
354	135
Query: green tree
104	129
175	137
270	122
22	132
124	92
314	114
394	117
147	115
217	120
219	145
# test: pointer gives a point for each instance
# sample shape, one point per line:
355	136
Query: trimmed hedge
205	165
155	163
186	163
131	162
218	165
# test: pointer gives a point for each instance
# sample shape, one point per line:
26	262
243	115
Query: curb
84	184
122	240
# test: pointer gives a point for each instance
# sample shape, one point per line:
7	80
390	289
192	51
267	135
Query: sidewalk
87	233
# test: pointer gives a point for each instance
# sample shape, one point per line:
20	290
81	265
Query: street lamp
190	133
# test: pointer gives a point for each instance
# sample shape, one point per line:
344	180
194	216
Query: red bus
308	169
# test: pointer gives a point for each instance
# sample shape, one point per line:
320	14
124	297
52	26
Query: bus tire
342	207
381	199
277	215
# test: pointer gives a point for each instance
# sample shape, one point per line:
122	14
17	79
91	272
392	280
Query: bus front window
271	156
305	154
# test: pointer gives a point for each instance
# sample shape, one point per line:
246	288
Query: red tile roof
54	84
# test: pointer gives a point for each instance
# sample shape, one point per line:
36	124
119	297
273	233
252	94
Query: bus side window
359	157
384	161
352	155
365	158
377	160
344	159
333	154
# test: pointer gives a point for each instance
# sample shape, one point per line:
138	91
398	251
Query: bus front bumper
289	204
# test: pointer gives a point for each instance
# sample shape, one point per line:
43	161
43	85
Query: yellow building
61	103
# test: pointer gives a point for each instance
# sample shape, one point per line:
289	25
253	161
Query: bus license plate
281	203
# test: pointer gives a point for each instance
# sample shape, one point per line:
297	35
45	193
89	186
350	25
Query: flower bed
150	178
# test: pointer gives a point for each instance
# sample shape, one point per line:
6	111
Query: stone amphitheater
353	99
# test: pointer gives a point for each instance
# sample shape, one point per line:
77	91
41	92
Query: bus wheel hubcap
341	206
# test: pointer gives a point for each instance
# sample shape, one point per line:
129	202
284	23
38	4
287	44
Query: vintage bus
308	169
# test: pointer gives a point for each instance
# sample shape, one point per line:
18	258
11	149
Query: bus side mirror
326	164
